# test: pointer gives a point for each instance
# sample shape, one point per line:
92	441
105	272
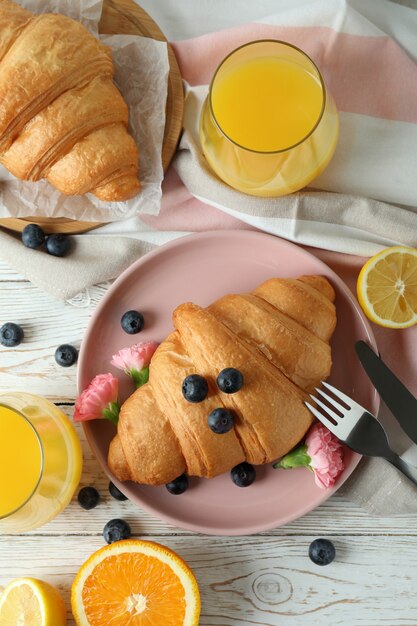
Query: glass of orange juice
268	126
40	462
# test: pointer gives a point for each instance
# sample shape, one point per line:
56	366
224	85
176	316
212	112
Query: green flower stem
111	412
295	458
139	377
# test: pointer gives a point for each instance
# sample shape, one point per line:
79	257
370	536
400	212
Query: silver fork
357	428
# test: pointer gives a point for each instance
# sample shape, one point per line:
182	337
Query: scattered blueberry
230	380
33	236
178	486
132	322
116	530
243	474
195	388
66	355
116	493
220	421
88	498
58	244
11	334
321	551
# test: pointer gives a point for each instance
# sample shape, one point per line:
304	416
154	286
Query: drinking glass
268	126
40	462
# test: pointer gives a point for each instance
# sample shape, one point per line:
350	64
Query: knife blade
399	400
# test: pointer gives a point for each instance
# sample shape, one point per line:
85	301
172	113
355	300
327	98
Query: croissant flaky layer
277	337
61	116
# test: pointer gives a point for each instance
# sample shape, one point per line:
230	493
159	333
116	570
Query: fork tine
339	394
321	418
327	411
330	400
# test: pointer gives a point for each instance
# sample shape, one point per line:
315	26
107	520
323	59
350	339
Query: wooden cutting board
126	17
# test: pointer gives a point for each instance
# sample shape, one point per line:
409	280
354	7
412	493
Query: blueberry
58	245
178	486
11	334
321	551
88	498
66	355
116	493
195	388
230	380
243	474
33	236
132	322
116	530
220	421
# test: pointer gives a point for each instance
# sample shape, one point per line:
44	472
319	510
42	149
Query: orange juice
20	460
40	462
267	104
268	126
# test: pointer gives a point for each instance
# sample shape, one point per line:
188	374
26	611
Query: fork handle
407	470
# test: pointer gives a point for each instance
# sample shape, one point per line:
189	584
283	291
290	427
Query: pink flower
322	452
326	454
99	399
135	360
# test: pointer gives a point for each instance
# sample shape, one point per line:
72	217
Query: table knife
399	400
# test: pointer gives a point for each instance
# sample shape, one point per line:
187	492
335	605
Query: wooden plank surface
260	581
264	580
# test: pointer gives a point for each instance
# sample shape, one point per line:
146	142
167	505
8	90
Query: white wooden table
264	580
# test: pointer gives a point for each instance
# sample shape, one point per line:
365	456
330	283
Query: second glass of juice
268	126
40	462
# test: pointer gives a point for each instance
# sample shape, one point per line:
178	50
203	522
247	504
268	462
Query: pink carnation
98	400
321	452
136	357
326	454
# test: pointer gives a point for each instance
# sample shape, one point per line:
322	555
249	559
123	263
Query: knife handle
407	470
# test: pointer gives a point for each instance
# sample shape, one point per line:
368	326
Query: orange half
135	583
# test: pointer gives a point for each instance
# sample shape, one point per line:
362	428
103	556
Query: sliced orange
135	583
387	287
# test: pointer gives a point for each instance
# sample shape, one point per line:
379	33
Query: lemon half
387	287
31	602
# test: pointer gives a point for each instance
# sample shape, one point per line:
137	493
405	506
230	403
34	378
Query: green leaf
295	458
139	377
111	412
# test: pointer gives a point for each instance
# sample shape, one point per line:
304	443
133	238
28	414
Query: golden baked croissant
61	116
277	337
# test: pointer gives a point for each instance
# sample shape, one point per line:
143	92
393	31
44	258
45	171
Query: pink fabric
368	75
181	211
351	73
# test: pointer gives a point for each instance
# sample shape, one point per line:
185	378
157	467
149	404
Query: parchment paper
141	73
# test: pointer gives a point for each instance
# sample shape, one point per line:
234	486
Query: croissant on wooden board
277	336
61	116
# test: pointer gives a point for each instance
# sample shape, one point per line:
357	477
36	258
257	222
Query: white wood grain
8	273
259	581
47	323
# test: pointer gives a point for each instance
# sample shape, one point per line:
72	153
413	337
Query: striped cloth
373	79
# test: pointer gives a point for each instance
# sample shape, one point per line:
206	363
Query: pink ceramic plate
201	268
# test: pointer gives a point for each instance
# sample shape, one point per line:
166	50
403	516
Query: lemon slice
135	583
31	602
387	287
